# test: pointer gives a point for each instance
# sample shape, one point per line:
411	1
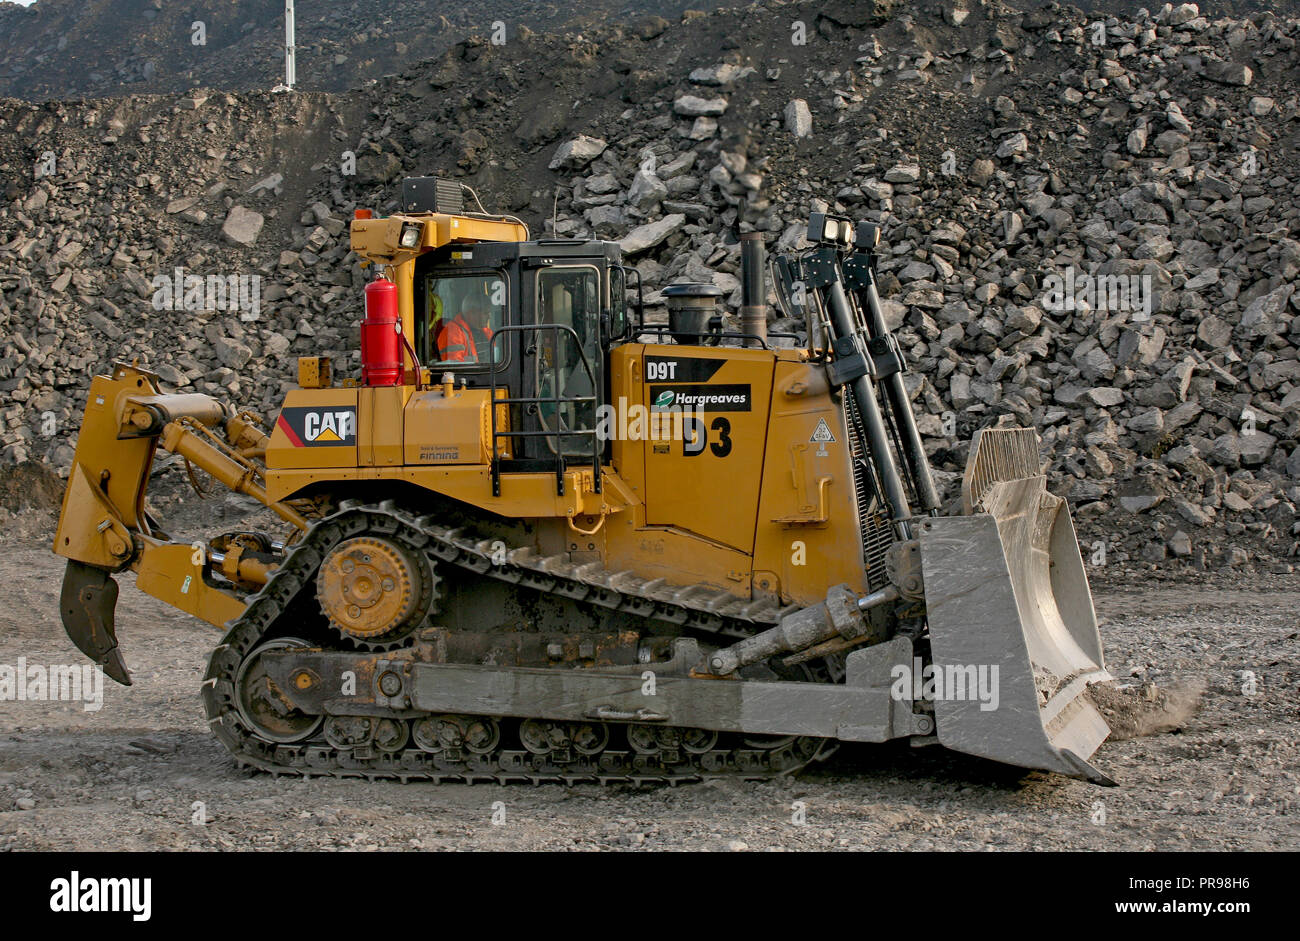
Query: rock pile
1090	225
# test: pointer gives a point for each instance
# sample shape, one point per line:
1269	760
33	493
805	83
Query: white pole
290	67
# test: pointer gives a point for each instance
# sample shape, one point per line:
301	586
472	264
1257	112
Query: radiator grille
877	533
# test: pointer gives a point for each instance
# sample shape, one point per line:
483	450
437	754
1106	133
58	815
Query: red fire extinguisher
381	336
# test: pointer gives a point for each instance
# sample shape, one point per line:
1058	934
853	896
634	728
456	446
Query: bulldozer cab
535	319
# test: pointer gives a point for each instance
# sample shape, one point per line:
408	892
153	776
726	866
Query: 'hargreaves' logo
320	427
714	397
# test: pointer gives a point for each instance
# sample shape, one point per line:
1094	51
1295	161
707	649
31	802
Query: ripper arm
104	528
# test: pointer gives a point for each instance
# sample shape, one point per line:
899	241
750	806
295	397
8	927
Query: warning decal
823	433
822	436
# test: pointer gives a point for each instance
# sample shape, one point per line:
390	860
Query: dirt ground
1205	767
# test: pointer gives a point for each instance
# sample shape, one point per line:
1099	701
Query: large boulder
242	225
646	237
577	153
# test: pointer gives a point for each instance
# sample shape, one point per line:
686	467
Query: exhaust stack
753	288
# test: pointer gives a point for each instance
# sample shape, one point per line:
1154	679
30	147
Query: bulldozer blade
1006	593
87	602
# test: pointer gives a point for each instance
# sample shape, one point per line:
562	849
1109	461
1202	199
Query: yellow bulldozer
539	538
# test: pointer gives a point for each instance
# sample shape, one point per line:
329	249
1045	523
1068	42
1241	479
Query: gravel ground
1203	767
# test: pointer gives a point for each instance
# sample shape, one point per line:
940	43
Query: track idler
87	603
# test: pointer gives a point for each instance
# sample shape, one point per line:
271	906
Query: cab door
562	362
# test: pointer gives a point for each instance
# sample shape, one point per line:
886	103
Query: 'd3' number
696	437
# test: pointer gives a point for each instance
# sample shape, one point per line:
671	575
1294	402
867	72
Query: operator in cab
467	337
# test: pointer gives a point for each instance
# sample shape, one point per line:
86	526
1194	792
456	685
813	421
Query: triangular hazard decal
823	432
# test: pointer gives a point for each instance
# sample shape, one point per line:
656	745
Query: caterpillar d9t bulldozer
538	538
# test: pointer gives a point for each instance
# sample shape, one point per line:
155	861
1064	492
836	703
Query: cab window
462	312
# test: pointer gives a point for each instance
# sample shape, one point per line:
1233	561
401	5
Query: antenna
290	66
555	213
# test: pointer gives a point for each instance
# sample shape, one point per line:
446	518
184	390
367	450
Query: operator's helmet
435	308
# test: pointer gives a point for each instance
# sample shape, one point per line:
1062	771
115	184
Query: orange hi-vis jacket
456	341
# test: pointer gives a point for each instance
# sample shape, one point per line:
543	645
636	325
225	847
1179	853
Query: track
511	750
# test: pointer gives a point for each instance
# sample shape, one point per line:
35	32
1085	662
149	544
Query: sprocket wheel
375	591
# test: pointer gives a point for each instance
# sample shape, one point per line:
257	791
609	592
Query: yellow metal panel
90	529
442	429
127	460
695	503
522	494
167	571
404	278
683	554
446	229
314	372
678	557
707	479
380	419
628	457
378	240
807	531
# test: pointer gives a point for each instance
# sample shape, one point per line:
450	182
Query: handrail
662	328
555	400
640	302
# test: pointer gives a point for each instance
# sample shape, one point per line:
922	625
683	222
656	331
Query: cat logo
317	427
328	426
